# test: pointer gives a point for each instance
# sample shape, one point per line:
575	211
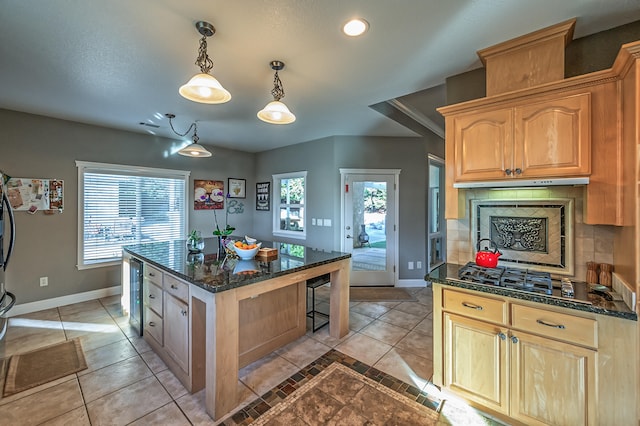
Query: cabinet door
475	361
483	145
553	138
176	331
551	382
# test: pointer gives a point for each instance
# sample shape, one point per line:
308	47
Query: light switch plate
327	222
313	221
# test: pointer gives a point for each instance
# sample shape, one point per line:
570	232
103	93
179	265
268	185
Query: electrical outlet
44	281
418	265
410	265
313	221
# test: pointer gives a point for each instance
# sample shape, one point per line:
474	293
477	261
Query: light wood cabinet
533	363
547	138
176	331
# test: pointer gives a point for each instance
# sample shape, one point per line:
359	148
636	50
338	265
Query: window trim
276	206
140	171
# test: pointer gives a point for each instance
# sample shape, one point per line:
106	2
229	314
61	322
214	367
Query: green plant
194	236
228	229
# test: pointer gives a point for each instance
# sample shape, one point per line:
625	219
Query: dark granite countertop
215	274
447	274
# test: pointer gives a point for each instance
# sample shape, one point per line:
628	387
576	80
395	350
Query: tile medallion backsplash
531	234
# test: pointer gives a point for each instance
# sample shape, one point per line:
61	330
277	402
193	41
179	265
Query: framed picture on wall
208	194
237	188
263	196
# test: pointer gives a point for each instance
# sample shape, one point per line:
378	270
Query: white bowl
249	253
250	240
246	267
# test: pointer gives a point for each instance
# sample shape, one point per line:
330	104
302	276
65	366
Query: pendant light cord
193	126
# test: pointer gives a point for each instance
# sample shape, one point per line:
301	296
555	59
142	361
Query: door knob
347	228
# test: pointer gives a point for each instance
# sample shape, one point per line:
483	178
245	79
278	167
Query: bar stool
323	319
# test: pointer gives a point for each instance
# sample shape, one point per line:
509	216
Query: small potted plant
195	243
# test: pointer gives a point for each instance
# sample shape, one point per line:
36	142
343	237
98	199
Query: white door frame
396	209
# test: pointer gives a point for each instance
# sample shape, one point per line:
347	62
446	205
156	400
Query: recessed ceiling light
355	27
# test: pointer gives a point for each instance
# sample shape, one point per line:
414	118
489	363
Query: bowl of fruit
246	251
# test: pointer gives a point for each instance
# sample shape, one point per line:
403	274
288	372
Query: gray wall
323	158
40	147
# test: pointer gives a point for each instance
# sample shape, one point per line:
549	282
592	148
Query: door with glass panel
436	225
369	228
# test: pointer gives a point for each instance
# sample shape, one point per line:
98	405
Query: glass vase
195	243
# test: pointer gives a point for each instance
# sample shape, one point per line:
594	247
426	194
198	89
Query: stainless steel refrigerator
7	240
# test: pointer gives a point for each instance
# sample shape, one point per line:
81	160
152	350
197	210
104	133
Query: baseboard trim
411	283
27	308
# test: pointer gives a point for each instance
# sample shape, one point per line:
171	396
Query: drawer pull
183	312
508	172
518	171
472	306
502	336
514	339
152	324
151	296
151	274
560	326
173	286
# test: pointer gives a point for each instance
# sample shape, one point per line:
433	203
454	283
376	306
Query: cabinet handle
508	172
518	171
151	296
560	326
472	306
514	339
183	312
502	336
152	324
151	274
173	286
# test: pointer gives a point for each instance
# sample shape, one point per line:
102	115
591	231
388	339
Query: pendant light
194	149
276	112
203	87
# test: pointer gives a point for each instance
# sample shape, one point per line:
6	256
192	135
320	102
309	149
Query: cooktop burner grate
521	279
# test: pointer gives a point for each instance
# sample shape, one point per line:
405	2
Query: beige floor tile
111	378
42	406
407	367
385	332
154	362
45	315
97	340
193	406
417	343
401	319
169	414
106	355
171	383
77	417
139	344
413	308
75	308
364	348
303	351
425	326
370	309
323	336
129	403
266	373
36	389
358	321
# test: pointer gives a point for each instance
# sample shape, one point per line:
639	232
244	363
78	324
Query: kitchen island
532	358
207	315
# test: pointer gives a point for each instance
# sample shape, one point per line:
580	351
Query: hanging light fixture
203	87
276	112
194	149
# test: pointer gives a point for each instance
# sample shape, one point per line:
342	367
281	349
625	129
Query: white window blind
122	205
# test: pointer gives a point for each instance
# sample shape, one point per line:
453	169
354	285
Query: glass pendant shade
194	150
276	113
205	89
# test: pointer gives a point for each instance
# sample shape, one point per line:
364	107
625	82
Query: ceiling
118	63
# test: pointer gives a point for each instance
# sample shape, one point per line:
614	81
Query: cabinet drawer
153	297
494	310
569	328
153	274
177	288
153	325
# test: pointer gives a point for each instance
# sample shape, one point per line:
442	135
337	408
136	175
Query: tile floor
126	383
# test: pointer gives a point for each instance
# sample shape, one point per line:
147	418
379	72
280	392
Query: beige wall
592	243
41	147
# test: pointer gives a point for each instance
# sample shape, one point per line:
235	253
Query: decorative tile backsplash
532	234
591	243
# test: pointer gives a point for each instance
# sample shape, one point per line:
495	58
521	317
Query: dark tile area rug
371	382
34	368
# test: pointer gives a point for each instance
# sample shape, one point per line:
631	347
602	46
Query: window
289	196
122	205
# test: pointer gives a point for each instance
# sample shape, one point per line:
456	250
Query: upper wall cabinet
539	139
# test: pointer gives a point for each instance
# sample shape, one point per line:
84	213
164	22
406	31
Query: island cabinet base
532	363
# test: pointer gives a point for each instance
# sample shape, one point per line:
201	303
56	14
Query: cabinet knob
502	336
173	286
508	172
518	171
514	339
151	274
152	324
183	312
151	296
